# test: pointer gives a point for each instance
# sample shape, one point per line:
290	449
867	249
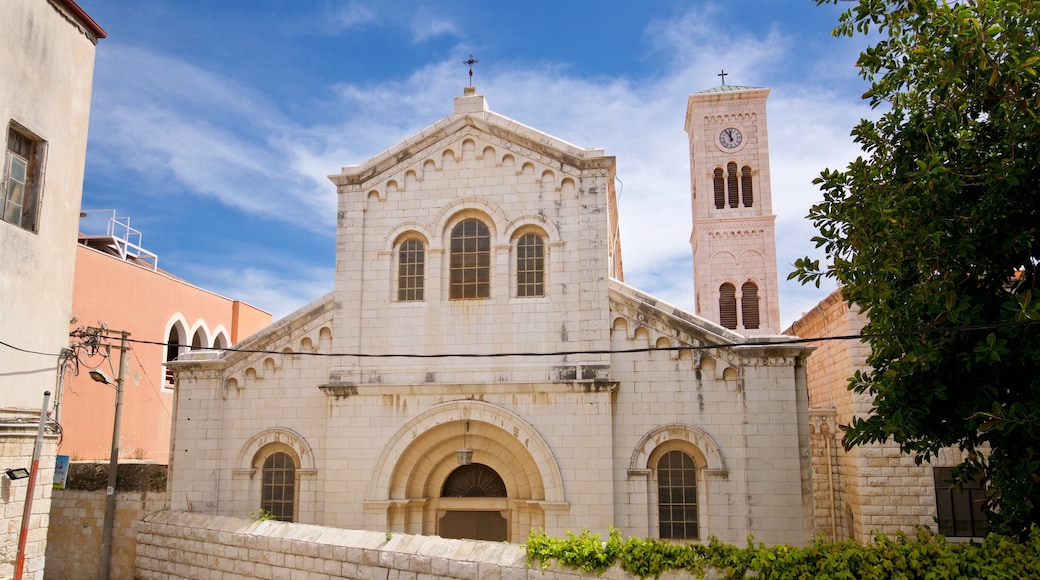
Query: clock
730	138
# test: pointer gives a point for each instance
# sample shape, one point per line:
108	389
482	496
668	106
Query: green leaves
924	556
935	231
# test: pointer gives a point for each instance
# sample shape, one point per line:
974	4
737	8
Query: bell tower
734	240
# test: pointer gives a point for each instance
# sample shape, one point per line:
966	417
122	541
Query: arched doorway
410	492
472	505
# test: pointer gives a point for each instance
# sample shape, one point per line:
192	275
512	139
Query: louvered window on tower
731	182
746	192
728	306
720	189
749	305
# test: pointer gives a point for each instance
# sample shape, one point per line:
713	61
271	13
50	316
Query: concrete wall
74	535
174	545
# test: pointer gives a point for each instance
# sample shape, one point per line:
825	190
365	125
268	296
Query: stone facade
870	488
46	74
74	535
570	388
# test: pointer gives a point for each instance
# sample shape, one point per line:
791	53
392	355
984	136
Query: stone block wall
175	545
17	440
78	515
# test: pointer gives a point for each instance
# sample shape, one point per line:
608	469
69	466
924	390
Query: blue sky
215	124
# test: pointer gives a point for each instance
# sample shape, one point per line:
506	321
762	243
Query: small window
530	266
720	189
959	512
677	496
278	487
728	305
20	183
746	192
749	305
731	184
411	264
470	260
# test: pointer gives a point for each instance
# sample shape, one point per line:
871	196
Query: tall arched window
173	349
677	496
720	189
470	260
728	305
530	266
198	342
749	305
411	265
278	486
731	185
747	193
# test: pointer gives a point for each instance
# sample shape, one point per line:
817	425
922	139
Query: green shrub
925	556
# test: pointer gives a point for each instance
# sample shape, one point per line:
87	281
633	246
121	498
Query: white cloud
425	25
354	14
171	120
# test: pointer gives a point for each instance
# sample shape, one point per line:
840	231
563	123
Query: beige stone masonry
178	545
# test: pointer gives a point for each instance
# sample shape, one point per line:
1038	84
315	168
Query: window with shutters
21	180
411	266
677	496
720	189
530	266
732	184
470	267
749	305
746	189
728	305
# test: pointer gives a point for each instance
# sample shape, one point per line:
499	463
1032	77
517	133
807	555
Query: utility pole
113	466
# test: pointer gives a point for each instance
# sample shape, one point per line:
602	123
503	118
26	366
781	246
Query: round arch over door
420	457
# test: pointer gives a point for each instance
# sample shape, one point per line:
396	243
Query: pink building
117	282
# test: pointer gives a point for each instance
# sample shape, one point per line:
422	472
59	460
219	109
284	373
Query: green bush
925	556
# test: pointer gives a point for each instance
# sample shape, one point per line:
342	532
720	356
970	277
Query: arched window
411	265
749	305
731	184
473	480
728	305
173	349
198	342
720	189
677	496
470	260
747	194
278	486
530	266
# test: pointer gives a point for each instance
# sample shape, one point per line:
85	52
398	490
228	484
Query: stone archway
406	490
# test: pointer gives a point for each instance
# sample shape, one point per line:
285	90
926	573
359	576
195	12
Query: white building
46	75
479	305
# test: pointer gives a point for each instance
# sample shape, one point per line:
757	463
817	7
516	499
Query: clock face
730	138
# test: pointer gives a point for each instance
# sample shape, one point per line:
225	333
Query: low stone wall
77	517
194	546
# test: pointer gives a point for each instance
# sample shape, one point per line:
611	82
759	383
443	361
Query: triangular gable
471	113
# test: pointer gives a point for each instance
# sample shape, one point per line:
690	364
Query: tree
934	235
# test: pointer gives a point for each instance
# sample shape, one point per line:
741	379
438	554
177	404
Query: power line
708	346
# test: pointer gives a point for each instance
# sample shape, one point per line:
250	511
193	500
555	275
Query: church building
481	370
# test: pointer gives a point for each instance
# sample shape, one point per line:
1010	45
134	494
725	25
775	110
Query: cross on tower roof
472	61
722	74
